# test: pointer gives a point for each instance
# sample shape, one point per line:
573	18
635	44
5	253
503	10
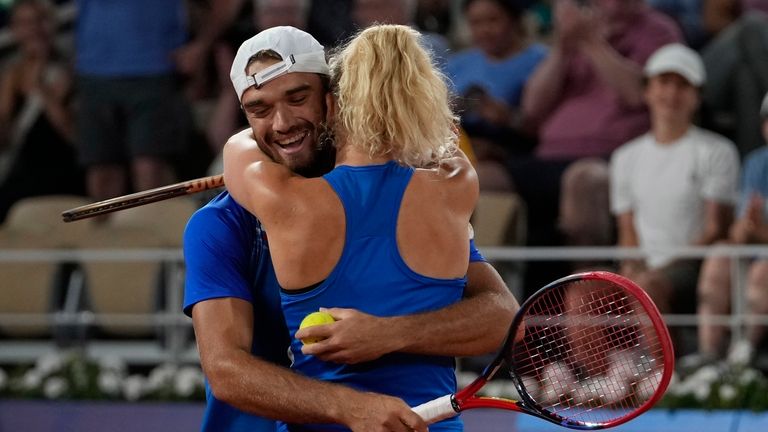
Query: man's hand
571	22
355	337
191	57
749	228
379	413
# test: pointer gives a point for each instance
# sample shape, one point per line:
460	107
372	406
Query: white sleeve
620	186
720	178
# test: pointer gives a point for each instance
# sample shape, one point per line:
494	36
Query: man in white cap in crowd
675	185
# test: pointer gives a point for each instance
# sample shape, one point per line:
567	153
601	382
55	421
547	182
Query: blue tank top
371	276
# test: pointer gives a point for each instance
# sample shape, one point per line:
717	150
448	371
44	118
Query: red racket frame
466	399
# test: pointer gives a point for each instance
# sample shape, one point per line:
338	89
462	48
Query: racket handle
437	409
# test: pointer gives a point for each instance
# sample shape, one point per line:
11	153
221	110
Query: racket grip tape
437	409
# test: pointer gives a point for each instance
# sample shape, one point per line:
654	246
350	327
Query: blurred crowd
629	122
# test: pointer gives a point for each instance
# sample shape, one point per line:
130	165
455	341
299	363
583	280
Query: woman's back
429	227
390	213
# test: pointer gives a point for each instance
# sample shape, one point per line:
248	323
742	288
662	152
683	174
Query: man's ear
330	107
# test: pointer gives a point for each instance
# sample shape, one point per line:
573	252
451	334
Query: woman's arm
253	179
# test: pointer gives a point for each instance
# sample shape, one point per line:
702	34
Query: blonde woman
377	233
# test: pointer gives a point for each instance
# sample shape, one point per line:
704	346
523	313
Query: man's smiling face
285	115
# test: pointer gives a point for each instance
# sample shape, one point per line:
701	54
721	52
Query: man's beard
324	156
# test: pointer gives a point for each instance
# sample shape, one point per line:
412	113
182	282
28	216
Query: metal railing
178	347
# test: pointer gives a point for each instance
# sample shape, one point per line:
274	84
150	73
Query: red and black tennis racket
142	198
595	354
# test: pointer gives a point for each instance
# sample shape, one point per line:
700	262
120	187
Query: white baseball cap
679	59
299	50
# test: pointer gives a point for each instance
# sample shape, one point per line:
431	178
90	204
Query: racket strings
589	353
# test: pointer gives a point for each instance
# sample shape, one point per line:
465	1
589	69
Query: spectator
586	100
434	16
369	12
751	227
36	131
330	21
737	65
688	15
674	185
489	78
133	120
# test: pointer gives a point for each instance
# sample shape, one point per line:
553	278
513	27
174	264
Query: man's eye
298	99
259	112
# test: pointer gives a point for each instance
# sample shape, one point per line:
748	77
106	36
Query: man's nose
283	120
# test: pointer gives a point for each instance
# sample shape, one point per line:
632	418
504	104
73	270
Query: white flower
510	391
727	392
701	392
705	375
31	380
3	379
675	380
493	389
109	383
134	387
187	380
161	376
748	376
463	379
646	388
55	387
79	371
112	363
554	378
50	363
741	353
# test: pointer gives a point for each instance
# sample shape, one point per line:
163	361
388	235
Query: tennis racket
595	354
144	197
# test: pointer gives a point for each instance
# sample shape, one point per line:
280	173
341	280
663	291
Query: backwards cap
299	50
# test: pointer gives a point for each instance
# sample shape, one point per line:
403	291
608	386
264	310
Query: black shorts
683	274
119	119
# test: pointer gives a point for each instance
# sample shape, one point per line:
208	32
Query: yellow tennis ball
313	319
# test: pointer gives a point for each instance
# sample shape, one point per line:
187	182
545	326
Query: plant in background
70	375
731	384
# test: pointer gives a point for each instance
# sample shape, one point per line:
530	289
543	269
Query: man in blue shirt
233	296
133	119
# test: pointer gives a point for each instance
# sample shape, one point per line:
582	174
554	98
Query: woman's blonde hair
391	98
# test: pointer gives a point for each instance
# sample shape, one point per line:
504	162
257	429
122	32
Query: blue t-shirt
754	179
128	38
227	255
504	80
372	277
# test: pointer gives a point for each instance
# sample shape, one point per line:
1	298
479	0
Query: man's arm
717	220
255	181
475	325
223	13
223	328
625	222
623	75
